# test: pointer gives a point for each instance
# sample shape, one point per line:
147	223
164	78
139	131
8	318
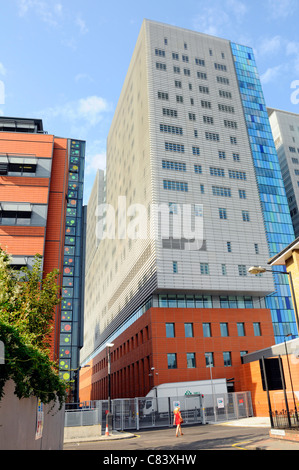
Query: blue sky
65	60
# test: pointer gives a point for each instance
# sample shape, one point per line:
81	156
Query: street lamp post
108	415
259	270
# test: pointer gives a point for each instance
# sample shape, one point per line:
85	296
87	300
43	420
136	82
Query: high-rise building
41	212
190	147
285	129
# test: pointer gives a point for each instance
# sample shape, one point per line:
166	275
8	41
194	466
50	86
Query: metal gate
150	412
147	412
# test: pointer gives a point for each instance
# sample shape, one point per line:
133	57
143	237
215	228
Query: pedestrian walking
177	421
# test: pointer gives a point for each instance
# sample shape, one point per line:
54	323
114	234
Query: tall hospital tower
190	132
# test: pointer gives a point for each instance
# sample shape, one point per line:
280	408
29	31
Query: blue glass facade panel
277	219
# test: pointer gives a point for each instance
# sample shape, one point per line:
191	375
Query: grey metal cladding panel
215	232
139	299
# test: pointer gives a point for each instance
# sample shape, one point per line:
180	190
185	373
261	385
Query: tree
27	303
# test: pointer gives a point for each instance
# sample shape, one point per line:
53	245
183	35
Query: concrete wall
18	423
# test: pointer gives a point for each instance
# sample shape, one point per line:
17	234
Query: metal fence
141	413
285	419
286	410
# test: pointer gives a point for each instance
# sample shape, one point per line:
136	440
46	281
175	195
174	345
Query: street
201	437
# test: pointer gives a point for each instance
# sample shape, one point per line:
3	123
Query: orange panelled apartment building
41	212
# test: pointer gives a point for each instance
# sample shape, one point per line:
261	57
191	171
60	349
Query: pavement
265	444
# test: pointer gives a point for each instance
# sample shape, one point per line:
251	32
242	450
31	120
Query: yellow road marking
239	444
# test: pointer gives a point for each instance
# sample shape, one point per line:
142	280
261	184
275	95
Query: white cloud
220	18
95	162
281	9
270	45
82	25
88	110
292	50
83	76
95	158
49	12
2	69
271	74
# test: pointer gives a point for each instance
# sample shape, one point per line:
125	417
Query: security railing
148	412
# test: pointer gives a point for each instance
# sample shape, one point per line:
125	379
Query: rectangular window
241	329
206	104
221	155
173	208
212	136
208	119
187	72
198	208
162	95
195	150
245	216
175	185
230	124
179	99
256	249
257	329
222	213
18	169
19	216
160	52
223	270
202	75
189	330
191	361
170	333
238	175
224	329
170	112
171	361
219	191
192	117
175	267
177	84
198	169
206	327
225	108
209	357
236	157
176	69
185	58
175	56
171	129
160	66
220	67
229	247
216	171
204	269
169	165
242	270
233	140
223	80
199	62
225	94
227	359
203	89
242	194
171	147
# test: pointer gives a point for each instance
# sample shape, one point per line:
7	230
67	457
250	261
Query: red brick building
41	212
197	335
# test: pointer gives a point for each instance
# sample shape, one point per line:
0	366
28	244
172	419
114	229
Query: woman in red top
177	421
